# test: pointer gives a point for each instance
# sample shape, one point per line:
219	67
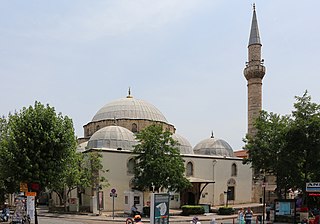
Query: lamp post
264	198
227	196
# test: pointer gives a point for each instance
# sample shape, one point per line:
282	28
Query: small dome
184	145
129	108
82	146
113	137
214	147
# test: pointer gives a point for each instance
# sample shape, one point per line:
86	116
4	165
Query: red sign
314	194
35	186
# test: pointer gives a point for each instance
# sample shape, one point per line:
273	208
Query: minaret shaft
254	73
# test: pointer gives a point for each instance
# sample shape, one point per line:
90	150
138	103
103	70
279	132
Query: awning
199	180
195	180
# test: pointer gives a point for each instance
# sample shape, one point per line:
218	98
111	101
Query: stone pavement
120	217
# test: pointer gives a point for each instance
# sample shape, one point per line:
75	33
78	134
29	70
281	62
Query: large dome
113	137
129	108
184	145
213	146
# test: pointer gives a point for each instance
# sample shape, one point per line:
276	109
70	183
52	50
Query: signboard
314	194
285	211
159	211
31	206
31	194
313	187
113	193
23	187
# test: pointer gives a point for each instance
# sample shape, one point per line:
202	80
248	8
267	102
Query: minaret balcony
254	71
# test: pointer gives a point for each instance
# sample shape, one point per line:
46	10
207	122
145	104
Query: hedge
192	210
226	211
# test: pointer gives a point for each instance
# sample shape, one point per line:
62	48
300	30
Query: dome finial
129	93
254	6
212	135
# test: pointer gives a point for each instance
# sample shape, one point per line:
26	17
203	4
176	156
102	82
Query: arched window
130	166
134	128
189	169
234	170
98	127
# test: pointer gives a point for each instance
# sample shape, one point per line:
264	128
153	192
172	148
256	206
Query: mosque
217	175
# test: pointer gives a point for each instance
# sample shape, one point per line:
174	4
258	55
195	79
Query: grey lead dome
112	137
129	108
213	146
184	145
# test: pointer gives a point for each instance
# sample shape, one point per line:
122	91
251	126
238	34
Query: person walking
134	210
195	220
268	210
137	219
248	215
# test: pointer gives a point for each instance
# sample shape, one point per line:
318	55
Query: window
134	128
189	169
234	170
130	165
136	200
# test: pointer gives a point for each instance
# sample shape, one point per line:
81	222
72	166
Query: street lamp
264	197
227	194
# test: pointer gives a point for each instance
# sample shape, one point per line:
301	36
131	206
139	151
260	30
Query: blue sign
313	187
159	208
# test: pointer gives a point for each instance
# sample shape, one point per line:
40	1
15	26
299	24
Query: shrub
226	211
192	210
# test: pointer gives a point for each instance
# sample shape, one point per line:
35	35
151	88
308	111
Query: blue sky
186	57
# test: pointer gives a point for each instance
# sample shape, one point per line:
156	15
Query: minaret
254	73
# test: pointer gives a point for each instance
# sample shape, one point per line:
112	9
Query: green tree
288	147
158	161
93	169
39	146
267	148
86	170
3	189
304	140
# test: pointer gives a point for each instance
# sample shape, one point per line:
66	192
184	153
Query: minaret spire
254	73
254	33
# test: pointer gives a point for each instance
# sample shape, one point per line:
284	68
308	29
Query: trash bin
206	207
74	205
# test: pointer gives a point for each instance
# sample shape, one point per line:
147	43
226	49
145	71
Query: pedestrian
213	221
134	210
137	219
195	220
248	216
241	216
268	210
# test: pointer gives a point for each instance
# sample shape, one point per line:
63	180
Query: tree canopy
288	146
158	161
39	146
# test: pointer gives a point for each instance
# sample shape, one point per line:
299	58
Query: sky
186	57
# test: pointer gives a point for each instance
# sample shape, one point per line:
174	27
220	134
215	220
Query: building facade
210	166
